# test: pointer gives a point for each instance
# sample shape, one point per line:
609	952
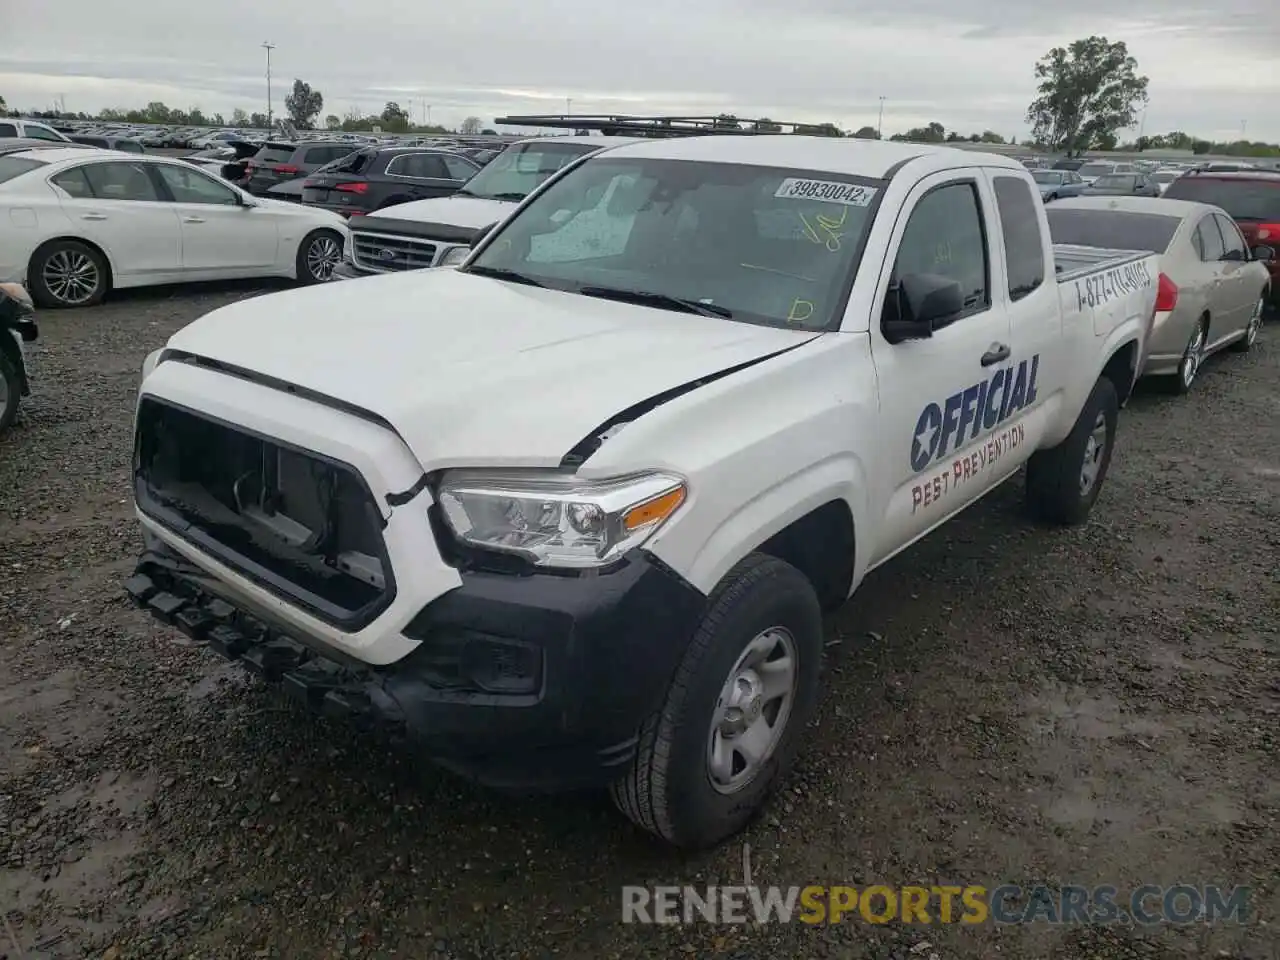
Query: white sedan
78	223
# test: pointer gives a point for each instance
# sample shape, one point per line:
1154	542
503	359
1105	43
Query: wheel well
81	240
1121	370
820	545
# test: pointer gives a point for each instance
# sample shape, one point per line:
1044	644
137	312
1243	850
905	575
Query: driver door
937	410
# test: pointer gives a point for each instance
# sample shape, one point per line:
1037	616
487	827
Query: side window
74	182
1231	238
8	130
458	169
1023	239
1209	241
945	237
326	154
420	166
191	186
120	181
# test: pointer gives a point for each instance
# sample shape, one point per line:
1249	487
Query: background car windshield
1095	169
1115	182
1052	177
1242	199
518	170
774	246
1112	229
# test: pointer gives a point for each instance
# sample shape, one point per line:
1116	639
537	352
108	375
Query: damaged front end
303	526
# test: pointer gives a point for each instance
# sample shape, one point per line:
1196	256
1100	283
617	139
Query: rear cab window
11	166
1111	229
1019	215
8	130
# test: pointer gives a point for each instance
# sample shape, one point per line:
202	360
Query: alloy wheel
70	276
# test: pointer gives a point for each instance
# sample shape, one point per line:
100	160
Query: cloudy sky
965	63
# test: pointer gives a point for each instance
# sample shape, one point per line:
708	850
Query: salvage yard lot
1005	703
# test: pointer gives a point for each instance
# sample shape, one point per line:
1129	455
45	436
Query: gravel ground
1005	703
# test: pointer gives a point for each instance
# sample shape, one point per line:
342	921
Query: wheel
735	711
1245	343
10	391
319	252
1052	196
1063	482
67	273
1192	359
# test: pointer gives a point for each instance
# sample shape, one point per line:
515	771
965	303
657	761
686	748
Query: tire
10	391
65	274
318	253
761	604
1193	357
1245	343
1062	487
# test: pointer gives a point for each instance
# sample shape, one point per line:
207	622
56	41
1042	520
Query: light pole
1244	124
268	47
880	122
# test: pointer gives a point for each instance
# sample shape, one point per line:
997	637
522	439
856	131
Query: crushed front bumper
531	682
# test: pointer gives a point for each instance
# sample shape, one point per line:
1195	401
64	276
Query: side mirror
1263	254
920	304
1233	256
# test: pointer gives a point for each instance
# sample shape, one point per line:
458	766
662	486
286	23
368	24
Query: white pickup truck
438	232
570	514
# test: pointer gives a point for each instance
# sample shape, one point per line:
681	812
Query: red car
1250	197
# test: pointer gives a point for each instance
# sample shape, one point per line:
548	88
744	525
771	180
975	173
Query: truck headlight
558	520
454	256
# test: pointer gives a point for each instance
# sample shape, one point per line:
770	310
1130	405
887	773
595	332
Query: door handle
93	216
996	353
192	220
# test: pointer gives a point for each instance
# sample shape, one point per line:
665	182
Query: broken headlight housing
555	519
453	256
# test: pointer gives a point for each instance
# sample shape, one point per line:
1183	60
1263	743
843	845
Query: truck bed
1072	262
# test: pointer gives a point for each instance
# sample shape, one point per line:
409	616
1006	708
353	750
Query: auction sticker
828	191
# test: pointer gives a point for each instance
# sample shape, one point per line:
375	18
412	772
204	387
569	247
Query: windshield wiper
661	300
501	273
514	197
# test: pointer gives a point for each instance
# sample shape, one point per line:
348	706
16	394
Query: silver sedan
1212	286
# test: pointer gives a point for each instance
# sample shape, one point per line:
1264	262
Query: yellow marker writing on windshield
801	310
830	226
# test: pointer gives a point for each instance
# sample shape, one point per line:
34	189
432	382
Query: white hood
472	371
471	213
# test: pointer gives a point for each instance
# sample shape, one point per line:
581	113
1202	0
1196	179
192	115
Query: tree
933	133
1087	91
1201	146
331	122
990	136
471	126
303	104
239	118
487	132
4	109
867	133
258	121
394	117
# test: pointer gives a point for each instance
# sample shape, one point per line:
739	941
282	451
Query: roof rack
662	126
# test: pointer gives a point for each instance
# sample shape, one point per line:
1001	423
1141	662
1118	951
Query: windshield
1242	199
1111	229
1095	169
758	244
1115	182
518	170
11	167
1051	177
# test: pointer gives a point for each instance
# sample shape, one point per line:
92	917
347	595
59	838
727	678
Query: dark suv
377	177
1250	197
279	160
